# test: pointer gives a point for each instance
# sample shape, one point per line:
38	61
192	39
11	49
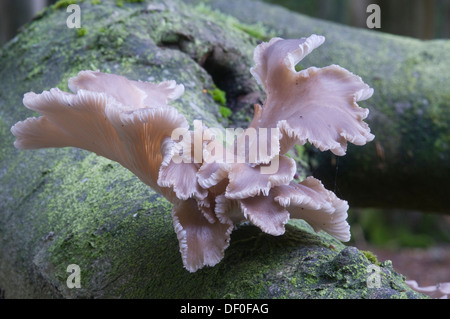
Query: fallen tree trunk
61	207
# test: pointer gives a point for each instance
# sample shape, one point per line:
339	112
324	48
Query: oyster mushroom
132	123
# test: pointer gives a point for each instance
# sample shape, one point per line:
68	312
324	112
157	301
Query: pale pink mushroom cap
308	200
439	291
136	94
315	105
247	181
202	243
106	122
319	207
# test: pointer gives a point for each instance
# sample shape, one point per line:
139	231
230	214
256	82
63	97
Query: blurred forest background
422	19
417	243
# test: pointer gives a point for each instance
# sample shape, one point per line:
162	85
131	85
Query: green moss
225	111
298	67
371	257
64	4
218	96
257	31
96	2
84	238
81	32
120	3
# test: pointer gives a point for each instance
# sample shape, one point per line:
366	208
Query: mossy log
66	206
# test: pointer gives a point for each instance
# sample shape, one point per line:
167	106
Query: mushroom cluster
132	123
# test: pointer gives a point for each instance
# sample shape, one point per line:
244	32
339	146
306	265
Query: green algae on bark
67	206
